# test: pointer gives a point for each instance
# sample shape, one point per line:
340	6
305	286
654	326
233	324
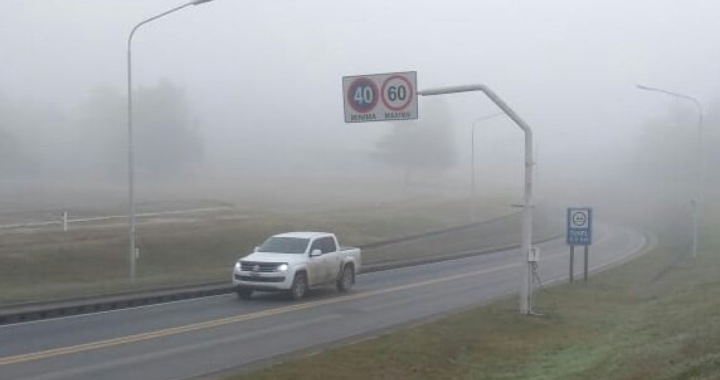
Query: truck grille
249	266
259	279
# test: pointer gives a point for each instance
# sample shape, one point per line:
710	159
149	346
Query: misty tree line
40	140
667	150
426	145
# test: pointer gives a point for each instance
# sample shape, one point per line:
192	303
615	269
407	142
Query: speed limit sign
380	97
397	92
363	95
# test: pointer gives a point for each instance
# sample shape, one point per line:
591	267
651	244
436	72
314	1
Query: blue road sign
579	226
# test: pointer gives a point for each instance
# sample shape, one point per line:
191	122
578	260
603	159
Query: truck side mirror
257	249
315	252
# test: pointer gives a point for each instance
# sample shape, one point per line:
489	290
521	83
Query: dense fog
245	97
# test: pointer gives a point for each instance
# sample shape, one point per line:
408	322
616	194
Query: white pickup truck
295	262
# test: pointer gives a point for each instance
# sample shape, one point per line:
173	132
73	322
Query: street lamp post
473	199
131	169
696	202
526	227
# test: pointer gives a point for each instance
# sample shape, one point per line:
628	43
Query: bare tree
667	150
167	140
427	144
17	126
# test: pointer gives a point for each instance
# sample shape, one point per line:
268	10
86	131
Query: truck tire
299	287
346	280
244	293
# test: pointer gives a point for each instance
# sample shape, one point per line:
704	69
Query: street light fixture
697	199
131	169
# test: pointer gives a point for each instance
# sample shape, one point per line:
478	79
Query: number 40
364	95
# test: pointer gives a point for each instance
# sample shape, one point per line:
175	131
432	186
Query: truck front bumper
262	281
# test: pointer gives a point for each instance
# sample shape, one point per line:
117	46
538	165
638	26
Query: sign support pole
526	232
585	276
572	264
579	232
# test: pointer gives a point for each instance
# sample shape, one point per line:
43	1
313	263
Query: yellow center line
229	320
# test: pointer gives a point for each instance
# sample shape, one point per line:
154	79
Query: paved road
192	338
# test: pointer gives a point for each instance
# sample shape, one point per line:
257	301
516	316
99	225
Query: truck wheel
244	293
299	287
346	280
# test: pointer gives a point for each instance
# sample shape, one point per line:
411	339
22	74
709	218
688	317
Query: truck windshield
284	245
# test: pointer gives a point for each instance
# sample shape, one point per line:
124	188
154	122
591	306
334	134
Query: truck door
331	258
316	267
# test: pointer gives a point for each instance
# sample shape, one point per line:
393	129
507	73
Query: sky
264	75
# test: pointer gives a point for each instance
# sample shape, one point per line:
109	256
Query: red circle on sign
351	89
410	93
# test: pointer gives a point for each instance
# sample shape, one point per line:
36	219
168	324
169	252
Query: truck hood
269	257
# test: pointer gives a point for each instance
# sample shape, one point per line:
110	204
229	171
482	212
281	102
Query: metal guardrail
438	232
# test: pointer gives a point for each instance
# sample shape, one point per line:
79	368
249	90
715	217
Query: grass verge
638	321
46	264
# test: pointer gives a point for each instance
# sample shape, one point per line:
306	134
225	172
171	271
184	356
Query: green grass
626	323
50	264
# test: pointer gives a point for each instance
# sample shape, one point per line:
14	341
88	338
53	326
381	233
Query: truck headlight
238	266
282	267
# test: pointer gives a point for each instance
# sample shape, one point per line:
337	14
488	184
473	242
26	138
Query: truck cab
296	262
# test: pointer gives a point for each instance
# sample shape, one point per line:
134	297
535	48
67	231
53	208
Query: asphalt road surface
192	338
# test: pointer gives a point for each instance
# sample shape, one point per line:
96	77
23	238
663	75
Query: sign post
526	288
579	232
572	263
585	274
380	97
398	101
